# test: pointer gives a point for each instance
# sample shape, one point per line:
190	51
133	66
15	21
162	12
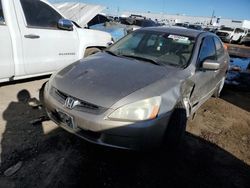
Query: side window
39	14
2	21
219	48
207	50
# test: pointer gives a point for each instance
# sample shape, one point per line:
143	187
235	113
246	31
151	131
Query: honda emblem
70	103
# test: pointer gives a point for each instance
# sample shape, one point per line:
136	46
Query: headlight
138	111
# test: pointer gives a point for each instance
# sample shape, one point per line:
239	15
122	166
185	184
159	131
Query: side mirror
210	65
65	24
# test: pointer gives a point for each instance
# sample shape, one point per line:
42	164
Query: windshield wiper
111	53
143	59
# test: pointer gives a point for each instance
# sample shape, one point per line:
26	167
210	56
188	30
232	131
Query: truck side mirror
210	65
65	24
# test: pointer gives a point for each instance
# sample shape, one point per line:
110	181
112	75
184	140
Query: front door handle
32	36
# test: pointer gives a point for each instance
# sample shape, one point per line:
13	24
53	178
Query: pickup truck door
6	54
45	47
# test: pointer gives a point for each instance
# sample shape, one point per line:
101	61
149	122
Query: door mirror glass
210	65
65	24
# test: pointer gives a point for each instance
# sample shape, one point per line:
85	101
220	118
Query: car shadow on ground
67	161
60	159
198	163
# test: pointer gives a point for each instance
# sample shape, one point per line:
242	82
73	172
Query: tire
91	51
176	128
219	88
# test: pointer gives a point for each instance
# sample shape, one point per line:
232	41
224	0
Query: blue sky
236	9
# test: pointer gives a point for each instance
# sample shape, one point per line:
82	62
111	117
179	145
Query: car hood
103	79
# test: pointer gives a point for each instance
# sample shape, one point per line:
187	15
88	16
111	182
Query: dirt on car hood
103	79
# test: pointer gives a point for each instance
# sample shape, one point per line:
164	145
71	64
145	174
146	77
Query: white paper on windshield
180	39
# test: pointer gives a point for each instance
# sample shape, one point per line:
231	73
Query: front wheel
176	128
91	51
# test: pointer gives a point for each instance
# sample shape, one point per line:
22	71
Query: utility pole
211	21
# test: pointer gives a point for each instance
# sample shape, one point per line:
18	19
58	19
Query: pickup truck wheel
91	51
219	88
176	128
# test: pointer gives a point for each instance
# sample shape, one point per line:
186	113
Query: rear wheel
176	128
91	51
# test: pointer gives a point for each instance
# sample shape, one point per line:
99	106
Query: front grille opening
87	105
61	94
83	106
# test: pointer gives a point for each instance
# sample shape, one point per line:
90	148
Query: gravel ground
215	151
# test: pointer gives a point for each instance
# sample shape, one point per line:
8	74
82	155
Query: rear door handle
32	36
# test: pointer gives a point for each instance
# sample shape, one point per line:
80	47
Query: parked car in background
225	33
121	27
138	93
36	39
246	39
137	21
189	26
237	35
230	35
181	25
194	26
211	29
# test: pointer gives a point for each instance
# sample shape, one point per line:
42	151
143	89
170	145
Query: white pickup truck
36	39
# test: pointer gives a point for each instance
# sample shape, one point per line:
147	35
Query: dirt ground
215	151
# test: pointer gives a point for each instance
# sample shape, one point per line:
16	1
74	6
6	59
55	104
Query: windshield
158	47
238	30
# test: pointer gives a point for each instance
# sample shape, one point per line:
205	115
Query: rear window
2	21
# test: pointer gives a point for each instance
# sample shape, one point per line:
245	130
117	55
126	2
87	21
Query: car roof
175	30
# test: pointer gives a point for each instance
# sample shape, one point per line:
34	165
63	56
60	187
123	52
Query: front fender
92	38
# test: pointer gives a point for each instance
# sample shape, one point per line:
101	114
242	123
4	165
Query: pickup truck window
2	21
39	14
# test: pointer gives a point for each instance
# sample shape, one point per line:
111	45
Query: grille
82	106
